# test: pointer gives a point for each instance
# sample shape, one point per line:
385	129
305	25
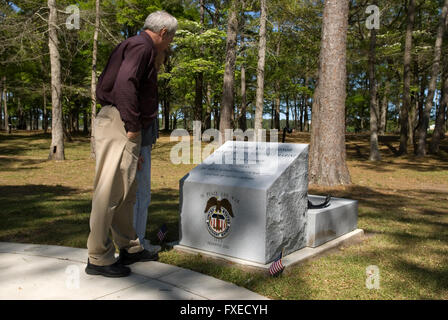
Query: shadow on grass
380	166
43	214
408	223
358	148
18	164
390	206
20	143
436	279
24	135
59	215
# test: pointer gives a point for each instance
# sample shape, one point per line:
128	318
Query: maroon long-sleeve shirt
129	82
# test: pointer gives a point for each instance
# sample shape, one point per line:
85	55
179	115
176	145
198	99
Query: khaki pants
115	189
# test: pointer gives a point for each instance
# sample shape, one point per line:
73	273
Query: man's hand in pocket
133	135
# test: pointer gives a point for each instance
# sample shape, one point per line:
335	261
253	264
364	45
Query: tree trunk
30	114
307	99
314	141
77	120
208	113
22	117
306	125
421	148
22	121
328	165
216	117
407	80
296	123
5	104
2	123
44	116
277	95
72	121
302	115
413	121
434	146
233	117
93	79
44	110
227	102
384	107
417	121
167	109
36	118
57	131
69	122
242	119
197	115
287	111
163	103
374	110
277	109
85	122
299	112
166	114
439	130
174	126
66	130
445	125
258	122
199	77
414	107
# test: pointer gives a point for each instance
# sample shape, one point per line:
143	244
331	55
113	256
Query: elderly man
127	90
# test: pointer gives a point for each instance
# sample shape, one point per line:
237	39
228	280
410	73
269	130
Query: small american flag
162	232
277	266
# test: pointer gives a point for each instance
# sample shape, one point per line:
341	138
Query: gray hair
158	20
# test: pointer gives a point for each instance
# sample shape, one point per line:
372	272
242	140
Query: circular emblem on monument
218	217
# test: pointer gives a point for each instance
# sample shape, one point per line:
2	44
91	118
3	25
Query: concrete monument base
326	229
326	224
290	260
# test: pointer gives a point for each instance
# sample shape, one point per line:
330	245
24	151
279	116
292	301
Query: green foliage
293	45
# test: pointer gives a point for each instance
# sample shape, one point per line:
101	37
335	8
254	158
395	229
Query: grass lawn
403	208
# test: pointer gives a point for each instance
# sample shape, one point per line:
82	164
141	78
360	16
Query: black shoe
115	270
142	256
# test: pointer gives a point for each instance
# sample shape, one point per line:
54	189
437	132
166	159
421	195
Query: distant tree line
240	64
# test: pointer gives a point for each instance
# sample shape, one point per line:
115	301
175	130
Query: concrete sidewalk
29	271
